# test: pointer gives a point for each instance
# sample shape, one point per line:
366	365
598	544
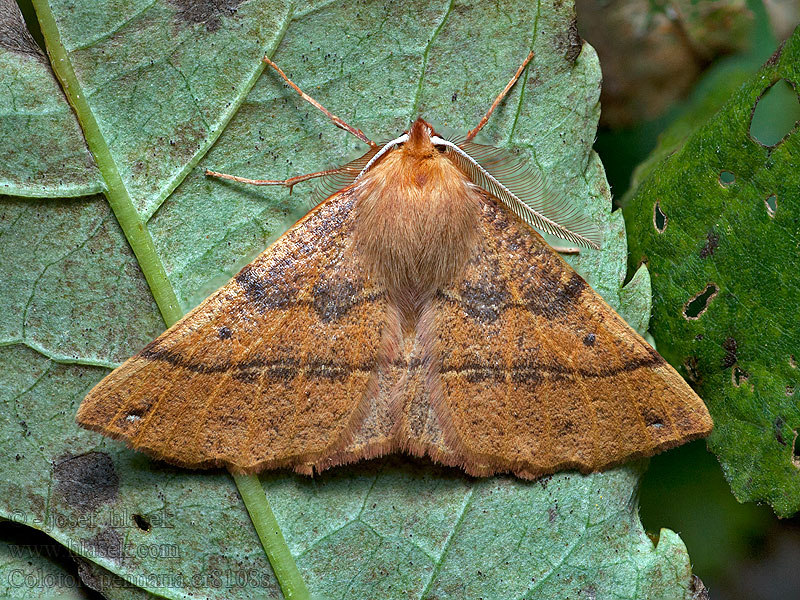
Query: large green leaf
730	224
154	84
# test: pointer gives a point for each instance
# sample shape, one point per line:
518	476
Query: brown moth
414	310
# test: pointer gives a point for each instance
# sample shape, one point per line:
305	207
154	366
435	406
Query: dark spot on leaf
589	339
697	305
573	43
699	337
659	218
224	333
697	589
739	376
795	457
142	523
692	372
726	178
773	60
775	114
771	202
207	12
94	576
778	429
454	97
789	391
107	544
86	481
730	346
712	243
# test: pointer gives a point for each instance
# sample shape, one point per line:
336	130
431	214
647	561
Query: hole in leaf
659	218
726	178
792	361
776	113
790	391
795	458
771	202
738	376
141	523
697	306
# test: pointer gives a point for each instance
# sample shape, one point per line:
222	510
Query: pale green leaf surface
28	573
389	528
163	77
42	150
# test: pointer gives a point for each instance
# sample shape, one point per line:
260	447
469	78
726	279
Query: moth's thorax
416	218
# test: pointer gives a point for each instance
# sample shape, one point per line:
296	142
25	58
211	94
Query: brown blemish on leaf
86	481
777	427
574	43
739	376
712	243
698	589
692	372
107	544
773	60
730	346
207	12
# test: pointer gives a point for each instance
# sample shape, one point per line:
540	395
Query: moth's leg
566	249
500	97
336	120
284	182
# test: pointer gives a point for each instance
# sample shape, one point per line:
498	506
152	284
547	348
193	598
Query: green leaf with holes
165	89
717	224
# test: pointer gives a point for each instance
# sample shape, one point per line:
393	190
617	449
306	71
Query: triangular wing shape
538	374
271	370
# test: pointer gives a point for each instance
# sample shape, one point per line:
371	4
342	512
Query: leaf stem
117	194
135	230
269	532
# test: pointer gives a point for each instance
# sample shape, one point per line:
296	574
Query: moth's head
419	144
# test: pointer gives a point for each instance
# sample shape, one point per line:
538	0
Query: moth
414	310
